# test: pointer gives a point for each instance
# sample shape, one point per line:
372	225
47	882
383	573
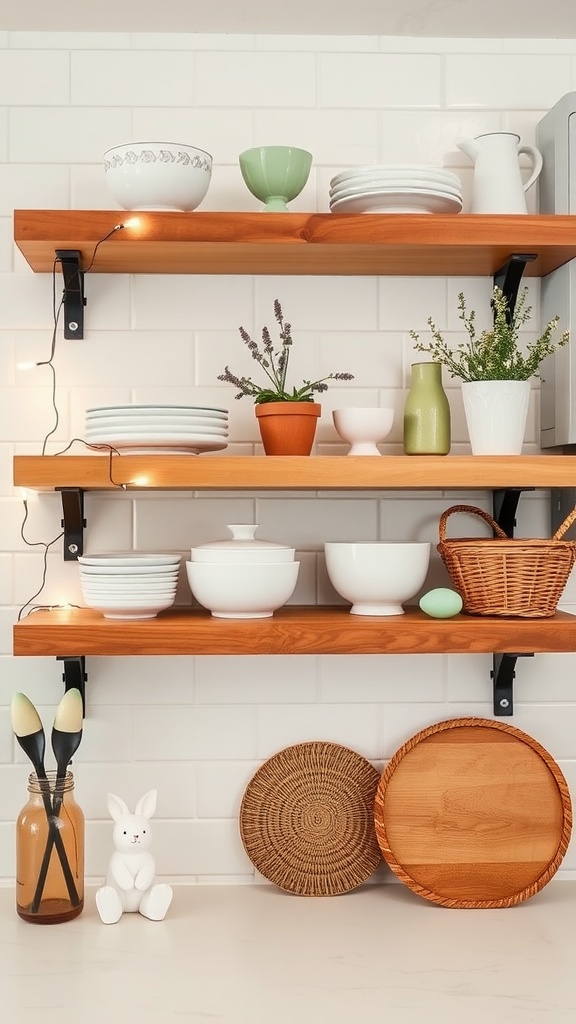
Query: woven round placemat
307	820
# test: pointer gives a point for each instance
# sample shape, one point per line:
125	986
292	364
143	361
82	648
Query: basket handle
477	512
565	525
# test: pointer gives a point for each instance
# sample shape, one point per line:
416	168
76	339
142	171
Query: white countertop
256	955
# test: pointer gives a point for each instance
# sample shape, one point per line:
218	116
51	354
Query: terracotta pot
288	428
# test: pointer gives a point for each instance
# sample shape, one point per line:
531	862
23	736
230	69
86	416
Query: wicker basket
500	576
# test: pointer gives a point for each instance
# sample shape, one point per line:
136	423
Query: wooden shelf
290	243
388	472
291	630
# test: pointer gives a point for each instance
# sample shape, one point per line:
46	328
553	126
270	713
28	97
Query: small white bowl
363	427
242	591
157	175
377	577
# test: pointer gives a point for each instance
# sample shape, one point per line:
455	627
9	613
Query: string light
35	544
132	222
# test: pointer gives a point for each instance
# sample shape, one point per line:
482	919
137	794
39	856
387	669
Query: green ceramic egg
441	603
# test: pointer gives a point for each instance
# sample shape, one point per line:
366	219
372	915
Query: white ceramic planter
496	412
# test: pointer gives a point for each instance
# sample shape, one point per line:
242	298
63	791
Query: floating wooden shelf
291	630
291	243
296	244
186	472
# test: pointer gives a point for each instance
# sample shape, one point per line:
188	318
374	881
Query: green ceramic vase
426	412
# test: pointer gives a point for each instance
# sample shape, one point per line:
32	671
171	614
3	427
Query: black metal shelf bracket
74	675
504	507
503	673
74	300
509	276
73	522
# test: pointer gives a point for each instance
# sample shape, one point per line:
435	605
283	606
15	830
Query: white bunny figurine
130	884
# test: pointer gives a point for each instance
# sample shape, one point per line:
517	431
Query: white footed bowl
232	590
363	427
377	577
157	175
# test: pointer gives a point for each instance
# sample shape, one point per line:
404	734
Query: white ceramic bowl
141	593
137	561
242	548
236	591
157	175
363	427
377	577
130	608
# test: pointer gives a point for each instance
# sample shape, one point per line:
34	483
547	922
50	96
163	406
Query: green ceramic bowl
275	174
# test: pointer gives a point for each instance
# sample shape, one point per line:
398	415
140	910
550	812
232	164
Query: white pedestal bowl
363	427
377	577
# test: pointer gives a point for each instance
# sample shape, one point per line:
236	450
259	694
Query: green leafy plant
494	354
274	363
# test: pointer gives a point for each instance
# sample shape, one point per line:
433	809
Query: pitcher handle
537	162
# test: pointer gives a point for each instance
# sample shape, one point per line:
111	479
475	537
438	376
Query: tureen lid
242	537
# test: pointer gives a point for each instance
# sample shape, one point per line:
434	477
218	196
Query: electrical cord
56	311
34	544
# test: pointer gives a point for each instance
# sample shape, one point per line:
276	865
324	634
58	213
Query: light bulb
139	481
26	494
26	366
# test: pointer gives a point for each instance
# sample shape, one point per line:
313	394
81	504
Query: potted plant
495	371
287	418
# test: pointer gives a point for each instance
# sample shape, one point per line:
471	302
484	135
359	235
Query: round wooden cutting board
473	813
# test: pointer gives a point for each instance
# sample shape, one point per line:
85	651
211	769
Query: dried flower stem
275	366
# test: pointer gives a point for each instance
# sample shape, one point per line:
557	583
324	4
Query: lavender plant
274	363
493	354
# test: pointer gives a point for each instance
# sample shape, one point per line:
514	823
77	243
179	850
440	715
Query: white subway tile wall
198	728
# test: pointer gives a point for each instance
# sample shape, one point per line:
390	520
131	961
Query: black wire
35	544
98	447
56	310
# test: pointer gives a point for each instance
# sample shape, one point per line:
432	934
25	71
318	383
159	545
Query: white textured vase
496	412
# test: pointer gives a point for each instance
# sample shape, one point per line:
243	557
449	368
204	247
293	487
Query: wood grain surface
295	629
295	243
473	813
386	472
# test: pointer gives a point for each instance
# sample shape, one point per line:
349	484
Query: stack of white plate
186	429
396	188
128	584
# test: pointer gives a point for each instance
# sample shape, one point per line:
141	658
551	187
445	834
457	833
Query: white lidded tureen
242	578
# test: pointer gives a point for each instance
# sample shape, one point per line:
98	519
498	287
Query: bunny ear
147	804
116	807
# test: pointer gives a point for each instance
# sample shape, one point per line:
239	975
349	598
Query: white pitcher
497	186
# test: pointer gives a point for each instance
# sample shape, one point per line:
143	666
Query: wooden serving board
473	813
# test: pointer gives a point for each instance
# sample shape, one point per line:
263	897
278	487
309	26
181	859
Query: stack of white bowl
396	188
129	585
242	578
185	429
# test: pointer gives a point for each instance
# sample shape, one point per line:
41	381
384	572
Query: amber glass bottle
50	852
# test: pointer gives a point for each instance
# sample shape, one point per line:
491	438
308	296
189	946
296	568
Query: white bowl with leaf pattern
157	175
